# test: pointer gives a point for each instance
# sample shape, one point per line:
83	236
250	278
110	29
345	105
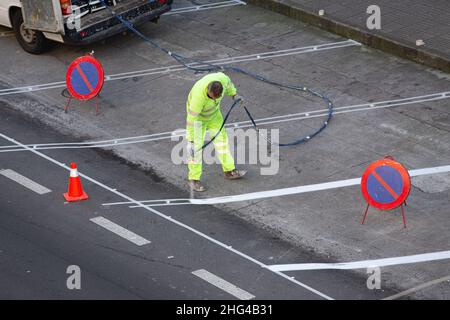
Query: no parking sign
385	185
84	79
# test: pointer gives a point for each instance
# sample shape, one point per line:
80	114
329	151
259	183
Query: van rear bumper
111	26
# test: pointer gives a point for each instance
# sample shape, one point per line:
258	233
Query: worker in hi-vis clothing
203	113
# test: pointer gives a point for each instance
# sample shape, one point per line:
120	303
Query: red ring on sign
94	91
404	174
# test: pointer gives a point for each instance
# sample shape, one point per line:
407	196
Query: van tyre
30	40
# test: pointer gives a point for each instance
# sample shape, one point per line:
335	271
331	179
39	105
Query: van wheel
30	40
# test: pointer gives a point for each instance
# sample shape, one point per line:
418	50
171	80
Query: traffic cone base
69	198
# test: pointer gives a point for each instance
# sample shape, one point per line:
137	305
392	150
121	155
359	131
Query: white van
36	22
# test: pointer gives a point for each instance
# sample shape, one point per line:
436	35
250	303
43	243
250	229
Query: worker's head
215	90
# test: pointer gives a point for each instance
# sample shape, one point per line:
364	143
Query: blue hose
208	67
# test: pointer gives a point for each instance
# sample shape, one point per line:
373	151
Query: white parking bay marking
236	125
178	67
272	193
426	257
223	284
120	231
24	181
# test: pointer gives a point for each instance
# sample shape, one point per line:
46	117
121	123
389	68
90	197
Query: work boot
196	186
235	174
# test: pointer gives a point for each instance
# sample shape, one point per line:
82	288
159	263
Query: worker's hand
237	98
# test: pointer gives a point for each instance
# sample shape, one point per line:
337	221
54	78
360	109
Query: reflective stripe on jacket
199	106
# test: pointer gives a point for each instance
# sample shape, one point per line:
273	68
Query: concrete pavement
402	25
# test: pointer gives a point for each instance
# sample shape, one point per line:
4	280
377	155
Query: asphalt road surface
42	235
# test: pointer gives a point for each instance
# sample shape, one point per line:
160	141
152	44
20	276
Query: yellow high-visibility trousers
196	139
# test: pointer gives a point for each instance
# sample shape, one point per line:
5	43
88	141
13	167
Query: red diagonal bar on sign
385	185
84	77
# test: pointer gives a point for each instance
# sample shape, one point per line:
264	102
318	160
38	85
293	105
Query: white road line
120	231
209	6
178	68
426	257
6	34
223	284
263	194
425	171
168	218
275	192
236	125
246	58
24	181
421	287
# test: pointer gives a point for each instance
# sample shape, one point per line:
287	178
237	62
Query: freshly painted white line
209	6
425	171
236	125
177	68
273	193
168	218
421	287
260	194
426	257
223	284
120	231
24	181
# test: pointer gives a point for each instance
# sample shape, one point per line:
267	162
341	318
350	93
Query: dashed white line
426	257
421	287
168	218
223	284
120	231
24	181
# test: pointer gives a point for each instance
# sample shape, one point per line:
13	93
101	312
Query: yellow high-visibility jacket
199	106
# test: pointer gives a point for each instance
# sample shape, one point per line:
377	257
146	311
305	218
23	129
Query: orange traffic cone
76	192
